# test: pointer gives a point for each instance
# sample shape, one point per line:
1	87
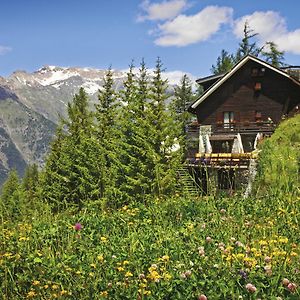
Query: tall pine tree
71	174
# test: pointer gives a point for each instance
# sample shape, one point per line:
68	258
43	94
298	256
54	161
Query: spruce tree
137	176
273	56
162	136
184	96
247	46
73	165
30	183
224	63
10	195
108	137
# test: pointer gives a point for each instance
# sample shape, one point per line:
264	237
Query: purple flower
243	274
77	226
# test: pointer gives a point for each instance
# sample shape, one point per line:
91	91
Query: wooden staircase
186	183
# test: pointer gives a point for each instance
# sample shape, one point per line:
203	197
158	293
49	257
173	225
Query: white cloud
4	50
185	30
271	26
162	11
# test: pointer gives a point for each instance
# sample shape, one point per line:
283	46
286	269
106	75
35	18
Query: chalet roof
224	77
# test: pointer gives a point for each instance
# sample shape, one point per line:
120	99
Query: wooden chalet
236	111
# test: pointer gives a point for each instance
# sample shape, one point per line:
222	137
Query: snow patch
57	75
91	87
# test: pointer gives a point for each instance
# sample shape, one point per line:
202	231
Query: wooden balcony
233	128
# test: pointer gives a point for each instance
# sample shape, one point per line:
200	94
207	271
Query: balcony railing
235	127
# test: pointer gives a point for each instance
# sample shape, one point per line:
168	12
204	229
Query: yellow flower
167	276
294	253
104	294
128	274
283	240
262	243
36	282
164	258
190	226
120	269
23	238
93	266
100	258
103	239
154	276
46	286
240	256
55	287
125	262
31	294
63	292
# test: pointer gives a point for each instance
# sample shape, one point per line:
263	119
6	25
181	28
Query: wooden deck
233	128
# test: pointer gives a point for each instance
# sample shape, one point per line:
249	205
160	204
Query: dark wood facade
254	95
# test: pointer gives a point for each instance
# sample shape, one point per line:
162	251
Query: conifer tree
108	136
224	63
273	56
73	165
162	136
10	195
137	174
30	183
247	46
184	96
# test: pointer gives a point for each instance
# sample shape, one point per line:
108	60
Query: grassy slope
174	248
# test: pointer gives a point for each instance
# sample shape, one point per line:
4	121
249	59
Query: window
258	116
258	72
228	117
257	86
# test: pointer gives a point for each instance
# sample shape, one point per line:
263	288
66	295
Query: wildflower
125	262
202	297
223	211
109	285
268	259
93	266
128	274
77	226
208	239
188	273
63	292
239	244
104	294
201	251
103	239
54	287
100	258
268	270
31	294
36	282
154	276
250	288
292	287
285	281
243	274
120	269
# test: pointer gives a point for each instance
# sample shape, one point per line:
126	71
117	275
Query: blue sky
188	35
